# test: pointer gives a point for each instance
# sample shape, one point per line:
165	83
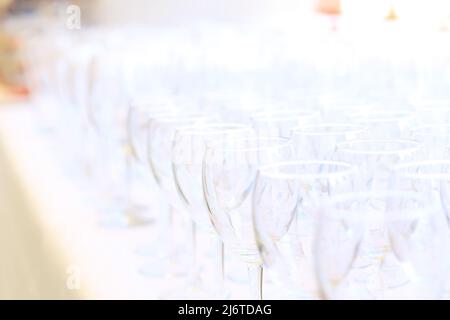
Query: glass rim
374	116
213	128
427	206
283	115
267	170
346	146
433	108
351	108
283	142
303	130
330	100
398	169
292	118
174	118
431	103
417	130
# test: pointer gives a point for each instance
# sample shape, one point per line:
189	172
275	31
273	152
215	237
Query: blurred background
336	34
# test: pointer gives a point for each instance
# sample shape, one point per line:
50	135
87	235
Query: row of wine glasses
262	192
322	197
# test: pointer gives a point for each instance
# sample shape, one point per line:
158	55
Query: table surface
53	244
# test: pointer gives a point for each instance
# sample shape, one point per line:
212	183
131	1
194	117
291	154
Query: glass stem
218	270
221	265
129	175
169	231
195	279
255	274
166	235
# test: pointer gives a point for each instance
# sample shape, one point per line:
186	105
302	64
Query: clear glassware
286	200
138	118
68	75
174	226
160	138
118	127
429	177
229	172
140	185
435	138
107	118
432	110
414	260
319	141
187	158
375	159
385	124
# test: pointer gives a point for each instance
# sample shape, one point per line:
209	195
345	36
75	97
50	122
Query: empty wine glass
286	200
140	185
432	111
161	131
138	118
319	141
188	151
435	138
106	115
187	158
160	137
229	171
413	263
430	177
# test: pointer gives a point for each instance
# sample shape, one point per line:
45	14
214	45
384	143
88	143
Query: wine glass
432	111
174	226
319	141
70	73
413	263
229	171
160	137
375	161
138	118
187	158
140	184
430	177
286	200
107	119
435	138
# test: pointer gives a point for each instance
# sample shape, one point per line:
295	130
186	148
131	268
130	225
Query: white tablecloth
51	244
